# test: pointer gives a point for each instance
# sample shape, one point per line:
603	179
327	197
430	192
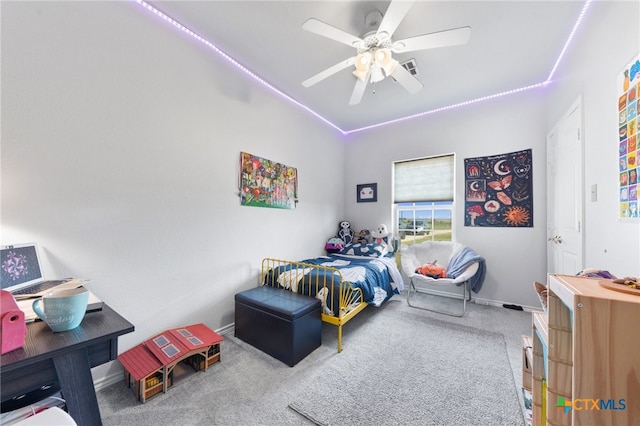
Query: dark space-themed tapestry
265	183
499	190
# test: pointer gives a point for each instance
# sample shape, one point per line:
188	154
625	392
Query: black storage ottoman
281	323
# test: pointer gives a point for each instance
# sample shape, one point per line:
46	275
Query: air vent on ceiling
411	66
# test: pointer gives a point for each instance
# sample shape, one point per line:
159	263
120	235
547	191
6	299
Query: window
425	221
423	199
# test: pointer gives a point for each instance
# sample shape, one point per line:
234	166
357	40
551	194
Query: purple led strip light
232	61
448	107
486	98
566	44
347	132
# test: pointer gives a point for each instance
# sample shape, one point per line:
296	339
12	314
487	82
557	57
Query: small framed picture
367	193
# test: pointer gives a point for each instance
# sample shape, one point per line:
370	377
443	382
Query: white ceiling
513	44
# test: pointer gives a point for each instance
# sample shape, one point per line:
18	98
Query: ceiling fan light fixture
363	64
362	75
363	61
375	46
385	61
376	74
381	55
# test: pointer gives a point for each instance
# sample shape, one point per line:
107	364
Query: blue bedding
371	275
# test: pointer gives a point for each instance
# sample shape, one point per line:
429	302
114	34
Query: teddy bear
345	232
364	237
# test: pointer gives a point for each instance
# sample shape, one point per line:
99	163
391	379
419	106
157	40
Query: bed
345	284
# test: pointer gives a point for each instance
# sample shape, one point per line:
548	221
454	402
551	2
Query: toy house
153	366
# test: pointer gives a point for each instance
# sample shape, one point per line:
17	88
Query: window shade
426	179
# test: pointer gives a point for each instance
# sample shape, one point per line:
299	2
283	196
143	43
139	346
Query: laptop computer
21	275
21	271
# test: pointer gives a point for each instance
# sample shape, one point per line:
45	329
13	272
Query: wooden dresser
586	366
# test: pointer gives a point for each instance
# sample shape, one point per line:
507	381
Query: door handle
557	239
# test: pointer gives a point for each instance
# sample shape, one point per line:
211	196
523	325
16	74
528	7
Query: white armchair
464	269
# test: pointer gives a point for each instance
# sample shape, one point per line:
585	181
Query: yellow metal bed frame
350	299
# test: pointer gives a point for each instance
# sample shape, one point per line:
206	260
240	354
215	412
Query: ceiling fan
373	60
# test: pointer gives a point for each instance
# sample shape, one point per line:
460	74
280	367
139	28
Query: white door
565	190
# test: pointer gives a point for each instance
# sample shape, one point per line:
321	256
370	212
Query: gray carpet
249	387
427	372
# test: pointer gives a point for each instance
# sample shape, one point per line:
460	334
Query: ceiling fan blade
395	13
329	72
358	90
452	37
326	30
406	80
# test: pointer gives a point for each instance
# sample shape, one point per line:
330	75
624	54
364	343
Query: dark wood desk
68	357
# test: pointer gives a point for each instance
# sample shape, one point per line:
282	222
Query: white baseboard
227	329
499	304
476	300
109	380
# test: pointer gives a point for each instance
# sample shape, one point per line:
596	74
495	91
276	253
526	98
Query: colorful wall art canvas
265	183
499	190
628	131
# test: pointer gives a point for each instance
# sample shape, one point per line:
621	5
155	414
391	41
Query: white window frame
421	207
432	207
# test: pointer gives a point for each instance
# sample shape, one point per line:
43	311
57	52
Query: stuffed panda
345	233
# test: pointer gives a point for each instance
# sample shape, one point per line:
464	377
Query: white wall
121	140
515	256
120	146
607	43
